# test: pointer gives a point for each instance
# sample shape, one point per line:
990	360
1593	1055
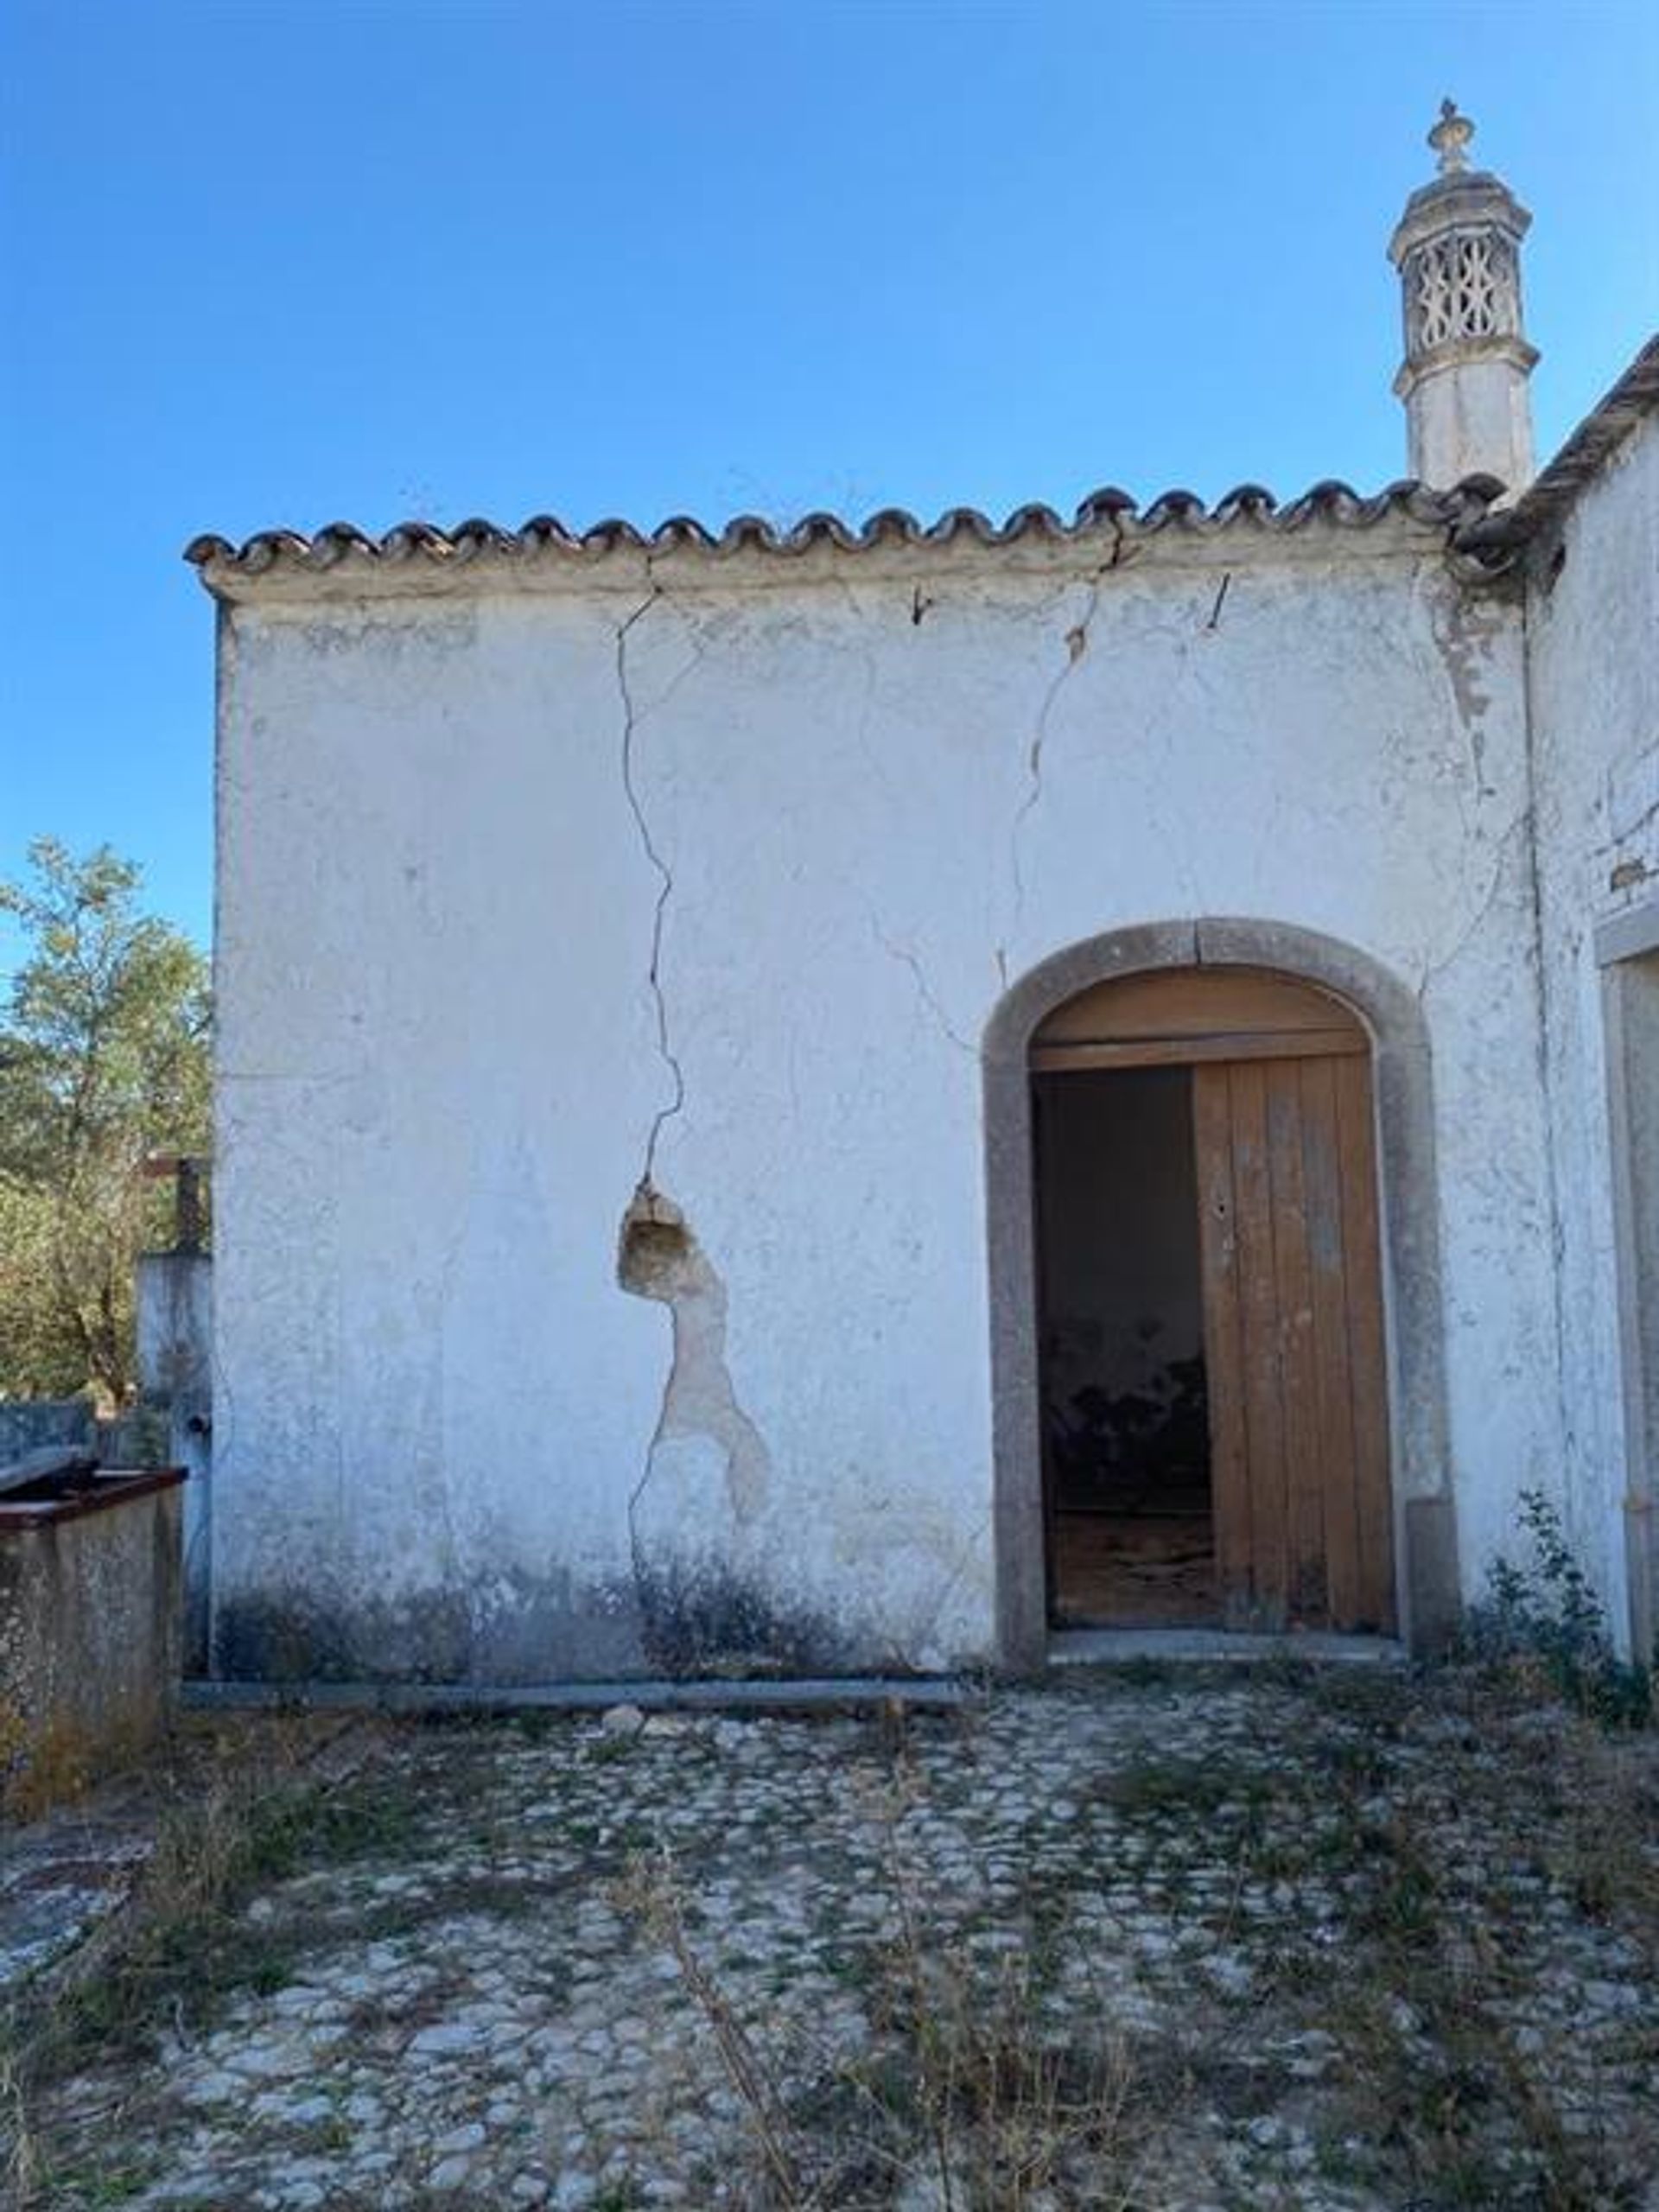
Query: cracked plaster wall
1592	618
473	980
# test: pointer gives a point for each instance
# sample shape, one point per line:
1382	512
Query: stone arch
1425	1526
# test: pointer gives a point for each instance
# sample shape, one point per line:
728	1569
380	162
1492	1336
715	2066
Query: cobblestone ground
1307	1945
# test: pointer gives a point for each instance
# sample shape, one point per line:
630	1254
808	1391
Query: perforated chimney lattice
1464	285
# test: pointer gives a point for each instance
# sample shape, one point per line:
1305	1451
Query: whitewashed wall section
1593	637
486	852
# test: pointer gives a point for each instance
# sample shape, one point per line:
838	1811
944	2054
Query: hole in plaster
655	1250
701	1430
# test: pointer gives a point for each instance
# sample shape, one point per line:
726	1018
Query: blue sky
294	263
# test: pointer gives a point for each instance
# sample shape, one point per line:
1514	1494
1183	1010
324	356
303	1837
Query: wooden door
1292	1277
1294	1342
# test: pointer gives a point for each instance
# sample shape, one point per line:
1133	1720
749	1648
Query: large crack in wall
665	886
1077	645
707	1469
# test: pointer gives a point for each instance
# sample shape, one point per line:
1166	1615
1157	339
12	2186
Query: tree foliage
104	1059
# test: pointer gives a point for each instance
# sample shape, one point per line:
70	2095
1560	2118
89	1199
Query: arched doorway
1425	1514
1212	1380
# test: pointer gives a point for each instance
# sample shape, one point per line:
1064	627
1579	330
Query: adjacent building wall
714	878
175	1326
1592	618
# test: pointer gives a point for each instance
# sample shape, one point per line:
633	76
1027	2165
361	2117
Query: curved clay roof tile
962	522
1250	504
1108	502
1180	508
548	529
1034	520
1252	499
682	530
606	536
405	539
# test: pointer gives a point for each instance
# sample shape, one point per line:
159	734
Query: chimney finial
1449	139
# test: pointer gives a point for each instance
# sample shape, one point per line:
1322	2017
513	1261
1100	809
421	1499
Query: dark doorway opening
1125	1414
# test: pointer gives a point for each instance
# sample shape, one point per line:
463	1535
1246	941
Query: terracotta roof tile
1114	512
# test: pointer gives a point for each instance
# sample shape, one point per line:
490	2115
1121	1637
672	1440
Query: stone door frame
1627	953
1425	1520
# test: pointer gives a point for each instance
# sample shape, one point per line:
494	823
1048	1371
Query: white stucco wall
1594	651
883	787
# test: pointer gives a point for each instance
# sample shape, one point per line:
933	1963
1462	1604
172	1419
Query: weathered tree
104	1059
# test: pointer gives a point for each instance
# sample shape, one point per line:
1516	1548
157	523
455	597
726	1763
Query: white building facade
633	1253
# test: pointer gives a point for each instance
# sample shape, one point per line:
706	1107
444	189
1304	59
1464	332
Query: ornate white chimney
1463	379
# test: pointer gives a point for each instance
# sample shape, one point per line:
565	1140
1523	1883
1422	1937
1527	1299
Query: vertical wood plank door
1294	1341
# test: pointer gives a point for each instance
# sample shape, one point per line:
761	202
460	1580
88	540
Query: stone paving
63	1876
1184	1945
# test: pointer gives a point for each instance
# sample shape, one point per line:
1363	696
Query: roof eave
1502	533
418	559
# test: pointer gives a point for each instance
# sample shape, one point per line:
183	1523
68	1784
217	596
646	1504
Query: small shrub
1545	1621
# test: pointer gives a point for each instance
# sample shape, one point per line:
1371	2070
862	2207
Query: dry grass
986	2106
20	2158
968	2099
238	1804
